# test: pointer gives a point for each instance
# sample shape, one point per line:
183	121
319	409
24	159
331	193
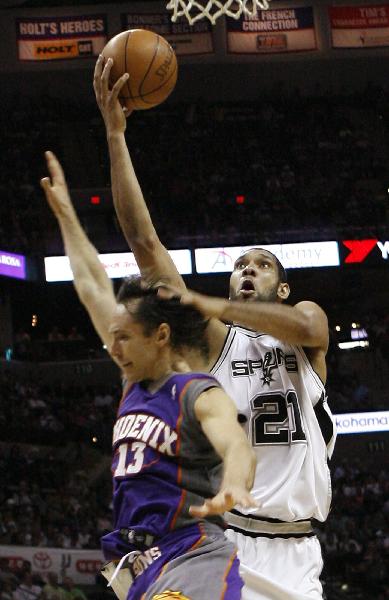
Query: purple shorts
195	562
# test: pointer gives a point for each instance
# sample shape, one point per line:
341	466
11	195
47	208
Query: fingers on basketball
151	64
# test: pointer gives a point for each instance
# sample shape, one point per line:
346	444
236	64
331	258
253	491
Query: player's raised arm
93	286
152	257
218	418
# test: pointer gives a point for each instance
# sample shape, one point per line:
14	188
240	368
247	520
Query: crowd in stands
32	412
297	163
355	539
23	584
44	502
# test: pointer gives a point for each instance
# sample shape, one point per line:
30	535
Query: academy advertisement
272	31
58	38
359	26
184	38
293	256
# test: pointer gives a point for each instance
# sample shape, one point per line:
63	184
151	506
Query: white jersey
282	403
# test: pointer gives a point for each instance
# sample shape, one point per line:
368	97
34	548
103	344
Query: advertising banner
292	256
184	38
81	565
12	265
359	26
122	264
272	31
365	422
369	251
55	38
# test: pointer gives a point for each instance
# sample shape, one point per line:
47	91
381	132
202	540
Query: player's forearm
85	264
281	321
130	206
239	466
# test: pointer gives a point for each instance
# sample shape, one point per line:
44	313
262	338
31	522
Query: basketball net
194	10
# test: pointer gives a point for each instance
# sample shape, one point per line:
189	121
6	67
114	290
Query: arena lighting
359	333
363	422
354	344
292	256
120	264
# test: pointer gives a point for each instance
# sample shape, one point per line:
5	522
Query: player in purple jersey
180	458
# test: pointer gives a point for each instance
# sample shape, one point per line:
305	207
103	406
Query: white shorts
278	568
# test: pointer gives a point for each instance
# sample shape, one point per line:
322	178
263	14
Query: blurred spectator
72	592
55	335
27	590
52	590
74	334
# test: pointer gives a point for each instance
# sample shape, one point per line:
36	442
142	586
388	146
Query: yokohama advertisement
359	26
184	38
80	565
272	31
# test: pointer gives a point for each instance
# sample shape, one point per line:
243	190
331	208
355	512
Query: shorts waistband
255	526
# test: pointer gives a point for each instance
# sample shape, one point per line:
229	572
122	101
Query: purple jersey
162	460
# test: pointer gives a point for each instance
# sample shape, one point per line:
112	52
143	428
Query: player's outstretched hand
223	501
55	187
114	114
209	306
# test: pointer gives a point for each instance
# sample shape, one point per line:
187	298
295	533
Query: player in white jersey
275	371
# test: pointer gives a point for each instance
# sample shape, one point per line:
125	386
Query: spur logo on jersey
265	366
148	429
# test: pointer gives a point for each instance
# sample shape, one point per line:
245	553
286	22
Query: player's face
255	278
137	354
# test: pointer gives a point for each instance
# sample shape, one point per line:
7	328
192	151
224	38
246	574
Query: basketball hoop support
194	10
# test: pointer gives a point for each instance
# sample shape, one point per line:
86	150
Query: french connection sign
292	256
364	422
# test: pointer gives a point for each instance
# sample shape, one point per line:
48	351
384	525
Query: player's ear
163	334
283	291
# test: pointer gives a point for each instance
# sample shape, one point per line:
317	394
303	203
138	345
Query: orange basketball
150	62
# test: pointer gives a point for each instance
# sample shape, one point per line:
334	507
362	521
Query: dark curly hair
187	324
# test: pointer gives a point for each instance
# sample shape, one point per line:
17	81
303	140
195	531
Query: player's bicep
100	306
218	417
317	325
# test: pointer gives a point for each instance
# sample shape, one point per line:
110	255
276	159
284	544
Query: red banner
359	26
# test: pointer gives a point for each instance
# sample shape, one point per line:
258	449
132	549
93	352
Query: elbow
146	242
310	336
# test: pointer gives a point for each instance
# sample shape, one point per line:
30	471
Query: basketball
150	62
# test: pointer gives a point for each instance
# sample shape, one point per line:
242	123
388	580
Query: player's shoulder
185	379
310	307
